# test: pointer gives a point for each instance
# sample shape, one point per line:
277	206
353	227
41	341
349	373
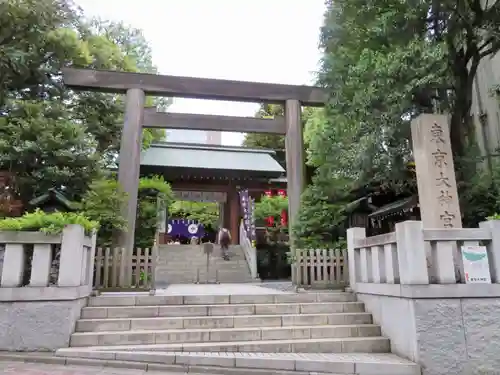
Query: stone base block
443	335
38	326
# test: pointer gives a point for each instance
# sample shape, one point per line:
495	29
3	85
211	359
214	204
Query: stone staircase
180	264
288	333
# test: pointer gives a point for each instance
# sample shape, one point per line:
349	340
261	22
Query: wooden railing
413	255
321	268
119	269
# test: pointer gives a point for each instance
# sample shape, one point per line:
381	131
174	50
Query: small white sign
476	265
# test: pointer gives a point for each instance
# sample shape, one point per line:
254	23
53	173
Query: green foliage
479	194
52	137
156	185
262	140
276	141
206	213
50	223
383	62
45	149
154	195
270	206
103	203
273	207
35	37
104	199
321	219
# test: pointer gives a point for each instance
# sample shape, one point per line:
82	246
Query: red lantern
270	221
282	193
268	193
284	218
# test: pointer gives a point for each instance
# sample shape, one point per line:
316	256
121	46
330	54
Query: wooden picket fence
121	270
321	268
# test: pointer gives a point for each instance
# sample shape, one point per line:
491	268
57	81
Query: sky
273	41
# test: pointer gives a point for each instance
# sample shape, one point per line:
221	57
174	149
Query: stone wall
451	336
41	297
38	326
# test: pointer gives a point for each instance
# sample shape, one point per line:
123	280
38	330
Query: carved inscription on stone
437	189
443	183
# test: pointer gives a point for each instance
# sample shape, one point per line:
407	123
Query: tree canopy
51	136
384	63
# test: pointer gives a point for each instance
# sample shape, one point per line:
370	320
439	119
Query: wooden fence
321	268
119	269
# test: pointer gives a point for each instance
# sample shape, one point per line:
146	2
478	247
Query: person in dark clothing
224	239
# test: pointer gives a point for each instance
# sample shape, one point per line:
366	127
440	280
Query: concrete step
191	264
375	344
196	335
187	263
241	321
220	310
144	299
177	272
255	363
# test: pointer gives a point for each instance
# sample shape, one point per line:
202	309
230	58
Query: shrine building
214	173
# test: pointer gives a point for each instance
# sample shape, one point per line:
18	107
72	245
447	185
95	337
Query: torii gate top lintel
191	87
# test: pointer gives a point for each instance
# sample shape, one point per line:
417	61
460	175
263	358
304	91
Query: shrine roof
211	157
400	205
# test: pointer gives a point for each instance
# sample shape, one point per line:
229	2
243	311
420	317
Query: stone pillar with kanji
437	186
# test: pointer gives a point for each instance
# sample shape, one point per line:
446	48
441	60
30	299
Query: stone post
437	187
40	265
493	248
13	266
353	260
130	160
411	251
71	259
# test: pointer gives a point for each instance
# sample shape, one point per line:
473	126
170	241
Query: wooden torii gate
137	85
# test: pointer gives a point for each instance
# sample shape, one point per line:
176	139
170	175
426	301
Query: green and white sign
476	265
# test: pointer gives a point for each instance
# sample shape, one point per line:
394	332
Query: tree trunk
462	126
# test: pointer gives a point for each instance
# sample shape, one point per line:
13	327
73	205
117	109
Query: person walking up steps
224	239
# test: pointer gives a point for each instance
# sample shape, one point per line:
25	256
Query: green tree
275	141
384	63
103	202
37	38
51	136
207	213
273	207
44	149
270	141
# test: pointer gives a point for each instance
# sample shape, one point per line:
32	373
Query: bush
103	203
154	195
104	200
50	223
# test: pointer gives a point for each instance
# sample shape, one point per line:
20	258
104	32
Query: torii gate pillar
130	162
295	167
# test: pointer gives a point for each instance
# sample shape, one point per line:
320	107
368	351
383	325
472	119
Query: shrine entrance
137	85
209	173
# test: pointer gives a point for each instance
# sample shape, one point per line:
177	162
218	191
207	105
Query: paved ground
212	289
19	368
